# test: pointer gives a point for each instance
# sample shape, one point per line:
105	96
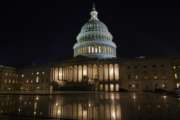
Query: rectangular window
111	87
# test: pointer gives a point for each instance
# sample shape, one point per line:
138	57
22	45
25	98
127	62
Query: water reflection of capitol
95	64
109	106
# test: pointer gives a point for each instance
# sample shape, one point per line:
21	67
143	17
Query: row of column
79	73
94	49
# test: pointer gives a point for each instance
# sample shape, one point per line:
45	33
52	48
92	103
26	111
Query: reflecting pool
90	106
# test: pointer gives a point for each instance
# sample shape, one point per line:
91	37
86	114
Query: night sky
33	31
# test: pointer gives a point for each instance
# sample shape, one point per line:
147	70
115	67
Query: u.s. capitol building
95	64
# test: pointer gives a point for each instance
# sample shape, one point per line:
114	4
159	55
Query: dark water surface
90	106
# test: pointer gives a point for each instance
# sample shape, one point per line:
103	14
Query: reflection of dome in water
94	39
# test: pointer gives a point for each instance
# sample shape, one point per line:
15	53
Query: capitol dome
94	39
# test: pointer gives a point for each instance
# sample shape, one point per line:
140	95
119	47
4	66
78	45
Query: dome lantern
94	13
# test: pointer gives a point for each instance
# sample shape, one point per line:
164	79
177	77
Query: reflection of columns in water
86	111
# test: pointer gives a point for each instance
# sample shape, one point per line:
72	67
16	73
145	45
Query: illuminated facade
8	78
95	64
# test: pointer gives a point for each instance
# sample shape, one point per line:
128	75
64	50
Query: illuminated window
136	77
111	72
155	77
106	72
101	87
163	85
60	74
37	79
89	49
111	87
174	67
103	49
6	74
117	87
178	85
96	50
133	85
56	74
80	73
84	70
22	75
99	47
92	48
175	76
